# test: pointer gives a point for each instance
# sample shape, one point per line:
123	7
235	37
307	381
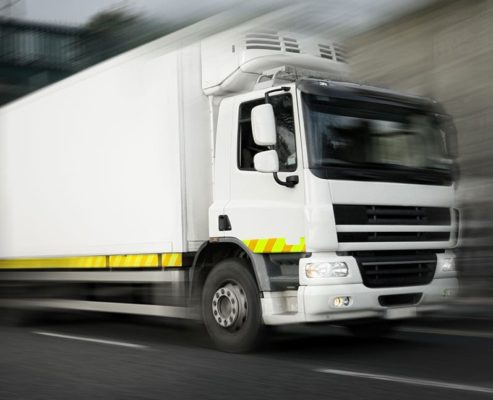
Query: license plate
398	313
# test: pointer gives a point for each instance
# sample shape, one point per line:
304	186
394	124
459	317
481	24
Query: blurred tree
108	21
115	31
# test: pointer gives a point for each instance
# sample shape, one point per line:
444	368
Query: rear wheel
231	307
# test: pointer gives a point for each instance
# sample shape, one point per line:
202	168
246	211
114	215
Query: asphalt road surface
121	358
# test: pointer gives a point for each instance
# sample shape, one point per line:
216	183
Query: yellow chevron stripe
261	245
172	260
275	245
134	261
278	246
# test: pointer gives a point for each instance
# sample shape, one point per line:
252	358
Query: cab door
265	215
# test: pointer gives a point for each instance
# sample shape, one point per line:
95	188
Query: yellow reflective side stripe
275	245
93	262
65	262
134	261
172	260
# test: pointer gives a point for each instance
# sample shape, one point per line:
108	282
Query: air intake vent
332	52
263	41
371	237
326	51
340	53
291	45
407	299
271	41
390	215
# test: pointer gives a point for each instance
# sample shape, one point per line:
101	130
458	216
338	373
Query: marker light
327	270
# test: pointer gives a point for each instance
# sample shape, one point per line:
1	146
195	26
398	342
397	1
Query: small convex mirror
266	161
264	125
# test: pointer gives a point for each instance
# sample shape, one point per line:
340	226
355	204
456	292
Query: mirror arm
291	181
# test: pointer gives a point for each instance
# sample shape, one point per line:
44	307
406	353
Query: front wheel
231	307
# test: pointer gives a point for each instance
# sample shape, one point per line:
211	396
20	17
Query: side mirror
264	125
266	161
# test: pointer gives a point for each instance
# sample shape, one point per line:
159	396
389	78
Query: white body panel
101	163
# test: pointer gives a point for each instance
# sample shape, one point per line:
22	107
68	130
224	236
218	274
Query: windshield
374	141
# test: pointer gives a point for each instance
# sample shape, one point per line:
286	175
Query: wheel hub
229	306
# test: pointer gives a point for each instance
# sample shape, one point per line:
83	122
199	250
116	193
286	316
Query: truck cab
342	197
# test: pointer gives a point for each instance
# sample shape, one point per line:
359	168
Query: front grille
396	268
372	237
390	215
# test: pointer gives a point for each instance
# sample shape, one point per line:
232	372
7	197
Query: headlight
448	265
326	270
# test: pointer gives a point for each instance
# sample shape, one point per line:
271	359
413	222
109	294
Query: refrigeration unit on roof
233	63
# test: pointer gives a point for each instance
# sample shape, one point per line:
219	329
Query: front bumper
315	303
317	300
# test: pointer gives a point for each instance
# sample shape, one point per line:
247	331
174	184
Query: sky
75	12
338	18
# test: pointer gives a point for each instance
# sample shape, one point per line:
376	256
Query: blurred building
33	55
446	51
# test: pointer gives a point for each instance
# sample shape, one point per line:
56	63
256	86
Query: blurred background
445	51
437	48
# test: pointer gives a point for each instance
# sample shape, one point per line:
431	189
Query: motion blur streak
445	51
409	381
91	340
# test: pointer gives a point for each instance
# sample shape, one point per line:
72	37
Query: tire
372	329
231	307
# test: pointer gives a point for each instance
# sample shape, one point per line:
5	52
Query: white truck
231	180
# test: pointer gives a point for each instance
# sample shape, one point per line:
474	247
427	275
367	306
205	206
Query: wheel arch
210	253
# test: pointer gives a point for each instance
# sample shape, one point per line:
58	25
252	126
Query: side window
286	141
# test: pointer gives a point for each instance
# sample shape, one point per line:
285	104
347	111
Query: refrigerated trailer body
136	186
